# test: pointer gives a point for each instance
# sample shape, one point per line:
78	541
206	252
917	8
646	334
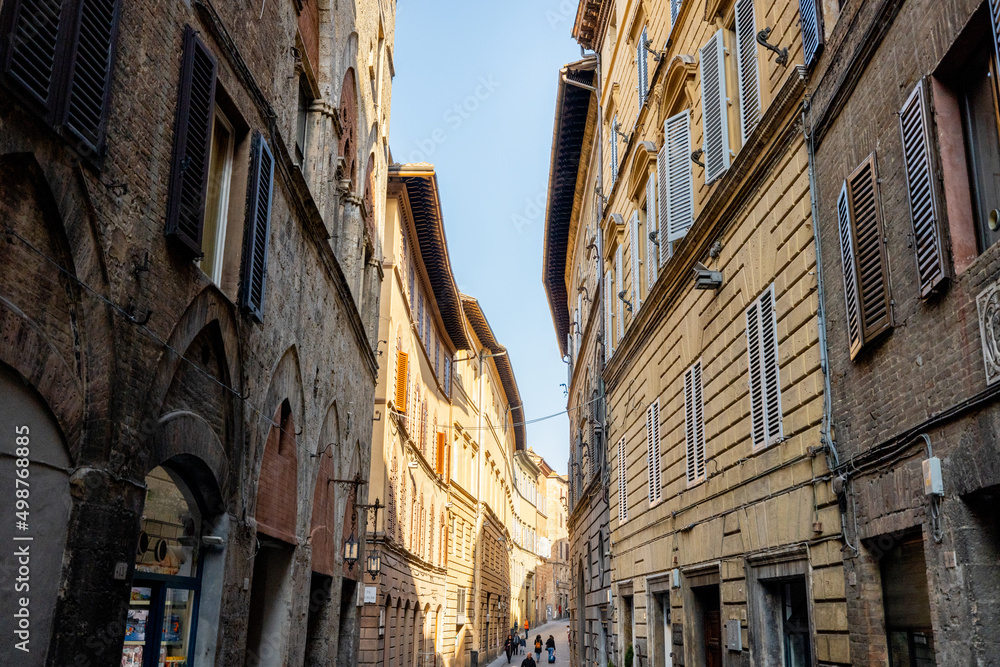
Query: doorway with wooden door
709	617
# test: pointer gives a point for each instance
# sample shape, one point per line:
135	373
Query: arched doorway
176	547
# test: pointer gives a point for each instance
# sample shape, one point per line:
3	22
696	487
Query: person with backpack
550	645
538	647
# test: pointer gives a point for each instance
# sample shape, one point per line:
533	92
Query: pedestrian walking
538	647
529	662
550	645
525	631
508	647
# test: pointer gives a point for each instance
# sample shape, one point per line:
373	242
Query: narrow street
559	631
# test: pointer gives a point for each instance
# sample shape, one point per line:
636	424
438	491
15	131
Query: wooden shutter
635	243
867	256
713	107
642	68
622	483
614	150
258	228
619	288
91	69
653	451
764	383
609	314
811	24
652	231
192	140
662	191
677	203
402	375
675	8
746	65
850	274
35	49
440	453
928	246
694	425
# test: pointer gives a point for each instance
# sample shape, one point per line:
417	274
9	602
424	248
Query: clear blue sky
474	94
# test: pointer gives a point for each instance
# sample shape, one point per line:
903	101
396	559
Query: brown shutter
850	274
257	230
35	36
192	139
927	243
402	361
871	264
90	71
440	453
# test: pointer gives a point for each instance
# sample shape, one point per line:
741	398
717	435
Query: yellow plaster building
725	540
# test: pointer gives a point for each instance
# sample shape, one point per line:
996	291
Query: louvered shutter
662	191
641	66
622	483
609	314
35	48
619	289
675	8
614	150
764	383
192	139
402	375
91	69
995	21
811	24
713	107
871	263
678	202
258	228
920	183
746	64
440	453
769	364
635	243
850	273
579	325
694	425
653	451
652	231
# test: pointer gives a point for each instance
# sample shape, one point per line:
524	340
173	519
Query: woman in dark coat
508	647
538	647
550	644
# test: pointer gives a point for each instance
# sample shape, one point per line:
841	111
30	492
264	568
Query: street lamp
374	563
351	551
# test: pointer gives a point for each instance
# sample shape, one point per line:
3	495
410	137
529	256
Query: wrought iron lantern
351	551
374	563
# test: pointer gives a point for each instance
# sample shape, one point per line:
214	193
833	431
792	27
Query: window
402	377
642	68
609	314
811	24
675	8
635	251
619	292
653	451
866	267
765	389
301	121
622	483
613	138
58	59
648	215
258	229
460	606
748	78
778	591
220	171
714	102
979	109
694	425
676	183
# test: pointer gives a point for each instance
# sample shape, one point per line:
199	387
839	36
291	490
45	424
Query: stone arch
348	146
641	163
677	90
323	520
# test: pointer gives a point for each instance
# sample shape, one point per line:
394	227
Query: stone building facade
448	425
722	517
193	197
903	123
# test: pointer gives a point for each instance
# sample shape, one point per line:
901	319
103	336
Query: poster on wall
135	625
